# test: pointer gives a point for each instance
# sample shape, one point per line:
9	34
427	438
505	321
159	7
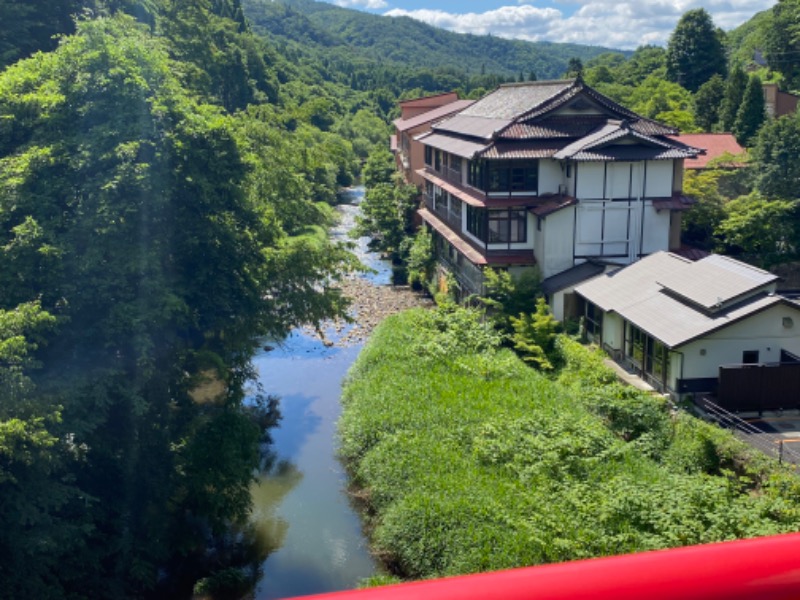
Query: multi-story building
416	118
550	175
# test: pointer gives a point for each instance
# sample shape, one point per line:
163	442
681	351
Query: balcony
440	209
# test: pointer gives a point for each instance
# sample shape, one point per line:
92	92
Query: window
455	163
477	173
750	357
476	222
428	155
437	160
512	176
594	320
507	226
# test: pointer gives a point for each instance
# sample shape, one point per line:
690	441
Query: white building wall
764	332
655	235
555	252
613	330
551	177
658	179
590	180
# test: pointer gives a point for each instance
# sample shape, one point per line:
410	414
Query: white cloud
370	4
624	24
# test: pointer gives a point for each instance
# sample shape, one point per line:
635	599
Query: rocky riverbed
371	303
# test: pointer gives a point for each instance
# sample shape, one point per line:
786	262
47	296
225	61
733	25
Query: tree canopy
695	52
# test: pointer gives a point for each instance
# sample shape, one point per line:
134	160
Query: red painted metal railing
759	569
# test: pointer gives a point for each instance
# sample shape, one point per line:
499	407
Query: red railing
758	569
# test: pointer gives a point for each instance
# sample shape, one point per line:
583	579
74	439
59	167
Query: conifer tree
734	93
751	113
707	102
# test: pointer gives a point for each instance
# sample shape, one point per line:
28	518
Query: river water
301	507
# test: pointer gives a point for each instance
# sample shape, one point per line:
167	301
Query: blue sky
624	24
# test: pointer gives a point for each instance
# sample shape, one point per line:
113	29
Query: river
301	507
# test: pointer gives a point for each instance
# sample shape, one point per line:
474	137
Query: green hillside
405	42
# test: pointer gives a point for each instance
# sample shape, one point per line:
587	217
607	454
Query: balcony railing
757	569
441	210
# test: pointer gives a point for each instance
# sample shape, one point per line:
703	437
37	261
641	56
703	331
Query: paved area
774	433
627	377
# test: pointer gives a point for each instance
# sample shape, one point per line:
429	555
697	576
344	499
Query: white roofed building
677	321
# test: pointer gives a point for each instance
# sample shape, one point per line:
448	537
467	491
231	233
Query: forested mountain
403	43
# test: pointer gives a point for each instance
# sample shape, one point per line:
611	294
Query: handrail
757	569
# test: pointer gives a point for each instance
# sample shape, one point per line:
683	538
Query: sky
622	24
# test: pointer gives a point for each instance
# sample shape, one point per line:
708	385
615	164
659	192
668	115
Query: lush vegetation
471	461
370	52
165	188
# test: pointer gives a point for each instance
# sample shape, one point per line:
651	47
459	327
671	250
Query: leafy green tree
387	216
701	222
762	230
379	168
420	261
27	27
735	86
506	296
707	102
574	67
534	337
775	155
139	218
782	41
751	114
656	96
695	52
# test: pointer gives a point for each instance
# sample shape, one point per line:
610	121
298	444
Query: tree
574	67
782	41
735	86
143	221
379	168
707	102
695	52
387	216
751	114
701	222
534	337
762	230
775	155
27	27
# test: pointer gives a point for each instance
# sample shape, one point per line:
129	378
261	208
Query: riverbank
371	304
468	460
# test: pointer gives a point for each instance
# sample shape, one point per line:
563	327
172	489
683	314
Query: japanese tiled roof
431	115
677	202
714	145
516	121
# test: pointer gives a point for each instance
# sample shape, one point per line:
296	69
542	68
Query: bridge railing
758	569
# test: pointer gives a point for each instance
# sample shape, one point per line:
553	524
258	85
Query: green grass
471	461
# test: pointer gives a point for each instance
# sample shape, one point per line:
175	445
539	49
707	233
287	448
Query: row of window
489	176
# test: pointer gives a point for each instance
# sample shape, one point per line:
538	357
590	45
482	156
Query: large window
504	176
648	354
507	226
476	222
498	226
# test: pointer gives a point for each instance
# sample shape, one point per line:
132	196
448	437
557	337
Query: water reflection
304	503
300	505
